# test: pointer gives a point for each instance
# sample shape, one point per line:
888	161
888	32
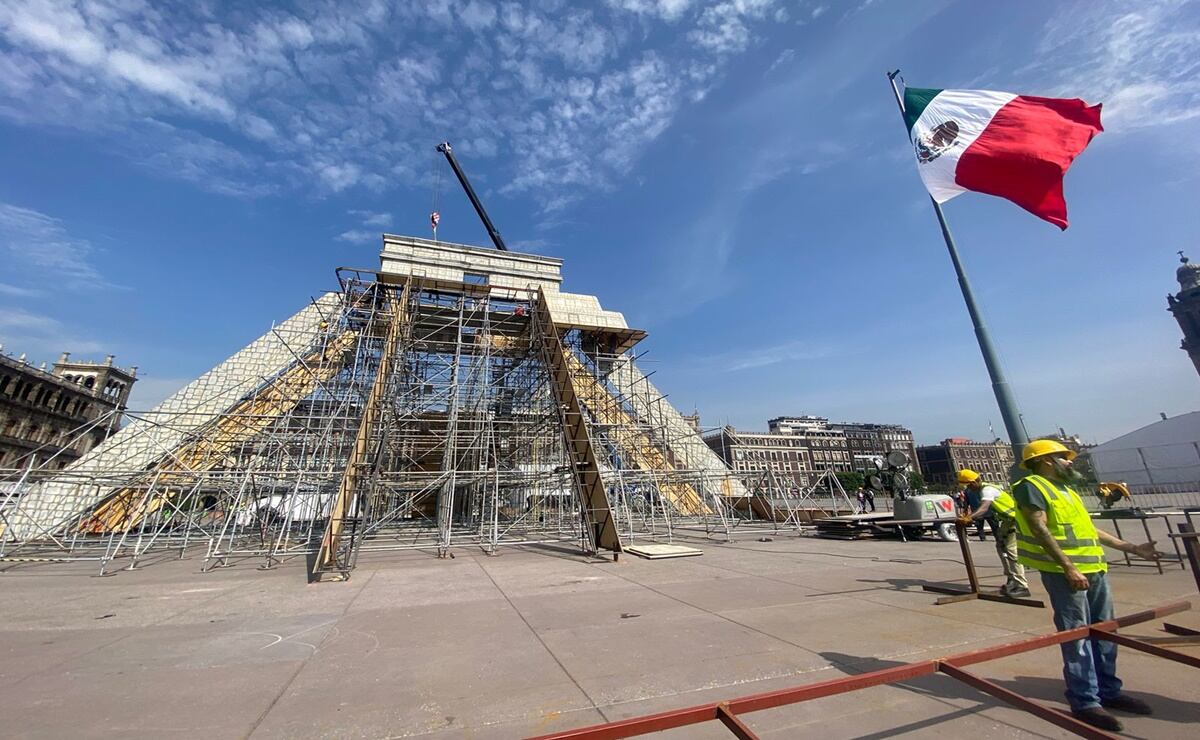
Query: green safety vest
1005	506
1070	525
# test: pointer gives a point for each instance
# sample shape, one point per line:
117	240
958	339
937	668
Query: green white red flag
1014	146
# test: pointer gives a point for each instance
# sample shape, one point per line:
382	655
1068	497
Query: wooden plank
589	486
331	541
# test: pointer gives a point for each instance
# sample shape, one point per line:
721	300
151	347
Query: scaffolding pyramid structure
455	397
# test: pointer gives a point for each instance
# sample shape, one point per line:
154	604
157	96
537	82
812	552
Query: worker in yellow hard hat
972	493
997	507
1056	536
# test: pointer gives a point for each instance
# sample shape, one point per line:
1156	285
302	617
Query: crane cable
434	214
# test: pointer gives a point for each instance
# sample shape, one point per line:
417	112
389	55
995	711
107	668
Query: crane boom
444	148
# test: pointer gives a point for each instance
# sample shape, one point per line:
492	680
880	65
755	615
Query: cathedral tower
1185	305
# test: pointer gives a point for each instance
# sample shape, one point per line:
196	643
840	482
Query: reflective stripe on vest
1005	505
1071	526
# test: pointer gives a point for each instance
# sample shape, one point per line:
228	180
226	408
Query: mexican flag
1015	146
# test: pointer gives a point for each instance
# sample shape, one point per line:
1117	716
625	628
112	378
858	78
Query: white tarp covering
1165	453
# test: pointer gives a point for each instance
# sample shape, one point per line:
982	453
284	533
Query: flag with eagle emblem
1013	146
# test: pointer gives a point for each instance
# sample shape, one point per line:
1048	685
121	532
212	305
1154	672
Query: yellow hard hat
1042	447
966	475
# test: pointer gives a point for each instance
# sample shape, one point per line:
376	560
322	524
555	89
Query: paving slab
540	639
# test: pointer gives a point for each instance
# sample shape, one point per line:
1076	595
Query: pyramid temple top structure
454	396
503	275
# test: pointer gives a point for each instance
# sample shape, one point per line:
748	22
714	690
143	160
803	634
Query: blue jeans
1089	666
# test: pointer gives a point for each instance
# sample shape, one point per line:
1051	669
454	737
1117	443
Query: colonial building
827	446
51	418
800	448
1185	306
941	462
868	442
789	457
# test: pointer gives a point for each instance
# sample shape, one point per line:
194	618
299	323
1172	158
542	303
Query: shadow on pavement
1051	689
936	687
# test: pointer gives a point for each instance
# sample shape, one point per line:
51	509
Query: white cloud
787	56
481	146
339	175
205	162
41	245
16	291
258	127
358	236
370	218
41	336
62	29
372	225
477	16
1144	65
757	357
726	27
350	94
533	246
667	10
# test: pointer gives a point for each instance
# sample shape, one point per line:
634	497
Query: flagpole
1004	397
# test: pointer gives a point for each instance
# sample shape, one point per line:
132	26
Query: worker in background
960	502
868	499
974	501
999	509
862	500
1056	536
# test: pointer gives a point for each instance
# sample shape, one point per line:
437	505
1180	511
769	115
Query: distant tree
851	481
915	479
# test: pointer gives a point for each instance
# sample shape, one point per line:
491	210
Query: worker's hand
1076	580
965	520
1146	551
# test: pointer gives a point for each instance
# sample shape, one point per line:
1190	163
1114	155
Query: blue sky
732	175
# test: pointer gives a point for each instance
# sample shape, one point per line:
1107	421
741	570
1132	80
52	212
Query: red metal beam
1157	612
1145	647
1053	716
735	725
794	695
1176	629
1057	638
639	725
831	687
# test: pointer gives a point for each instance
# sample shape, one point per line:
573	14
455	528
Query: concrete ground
538	640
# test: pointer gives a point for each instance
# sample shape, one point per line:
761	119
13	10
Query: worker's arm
982	511
1041	533
1146	551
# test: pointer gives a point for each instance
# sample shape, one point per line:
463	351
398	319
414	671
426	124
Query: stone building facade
867	442
827	446
755	454
53	417
800	448
941	462
1185	307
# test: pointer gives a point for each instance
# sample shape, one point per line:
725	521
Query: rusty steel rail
727	712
